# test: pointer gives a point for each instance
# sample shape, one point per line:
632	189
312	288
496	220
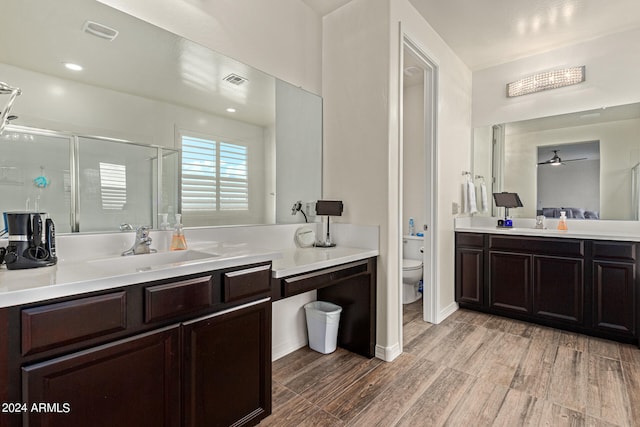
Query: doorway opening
419	76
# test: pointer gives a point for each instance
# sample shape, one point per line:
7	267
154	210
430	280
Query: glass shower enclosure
86	183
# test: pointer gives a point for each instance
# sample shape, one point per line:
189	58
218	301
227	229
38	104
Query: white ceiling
484	33
491	32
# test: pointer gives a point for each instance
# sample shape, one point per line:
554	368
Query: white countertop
69	278
578	229
302	260
569	234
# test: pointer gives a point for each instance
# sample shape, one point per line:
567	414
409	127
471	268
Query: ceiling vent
99	30
235	79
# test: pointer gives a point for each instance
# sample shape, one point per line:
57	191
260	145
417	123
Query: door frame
431	292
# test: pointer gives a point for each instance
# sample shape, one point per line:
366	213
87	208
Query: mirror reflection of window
215	179
113	186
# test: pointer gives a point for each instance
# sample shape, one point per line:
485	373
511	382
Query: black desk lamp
328	208
507	200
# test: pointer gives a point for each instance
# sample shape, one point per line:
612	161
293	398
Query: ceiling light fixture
231	110
547	80
72	66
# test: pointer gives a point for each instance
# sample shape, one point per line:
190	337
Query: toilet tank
411	247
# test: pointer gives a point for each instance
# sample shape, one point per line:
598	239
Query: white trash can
322	324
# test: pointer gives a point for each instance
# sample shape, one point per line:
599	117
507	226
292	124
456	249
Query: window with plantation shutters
214	176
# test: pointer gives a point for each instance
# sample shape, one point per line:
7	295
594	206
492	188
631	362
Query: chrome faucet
142	243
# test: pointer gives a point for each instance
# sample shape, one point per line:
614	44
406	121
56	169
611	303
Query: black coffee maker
32	241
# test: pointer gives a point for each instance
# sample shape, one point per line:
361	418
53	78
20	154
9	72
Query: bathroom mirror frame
493	158
196	91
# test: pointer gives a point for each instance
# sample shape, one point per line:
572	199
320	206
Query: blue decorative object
41	181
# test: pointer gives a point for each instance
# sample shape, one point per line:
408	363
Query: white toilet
411	268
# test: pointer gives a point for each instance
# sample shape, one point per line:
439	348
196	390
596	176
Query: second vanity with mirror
515	156
584	279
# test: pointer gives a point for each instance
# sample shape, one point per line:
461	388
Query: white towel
470	196
483	197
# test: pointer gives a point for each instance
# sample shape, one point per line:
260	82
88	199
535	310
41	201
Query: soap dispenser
562	223
178	242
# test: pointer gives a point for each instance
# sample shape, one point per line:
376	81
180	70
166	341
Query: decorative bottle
562	223
178	242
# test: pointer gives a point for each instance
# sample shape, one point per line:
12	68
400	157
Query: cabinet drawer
242	284
318	279
178	298
559	246
55	325
614	250
475	240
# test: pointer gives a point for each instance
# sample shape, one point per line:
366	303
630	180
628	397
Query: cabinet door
510	282
227	367
558	289
132	382
614	296
469	276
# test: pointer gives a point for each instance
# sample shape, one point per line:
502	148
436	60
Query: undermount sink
154	261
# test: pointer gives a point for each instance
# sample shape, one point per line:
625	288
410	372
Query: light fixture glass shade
547	80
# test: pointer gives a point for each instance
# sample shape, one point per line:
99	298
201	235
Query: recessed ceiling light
72	66
231	110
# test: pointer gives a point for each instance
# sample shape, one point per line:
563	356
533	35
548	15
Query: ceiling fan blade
574	160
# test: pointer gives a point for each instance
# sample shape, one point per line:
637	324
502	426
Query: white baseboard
447	311
280	350
388	353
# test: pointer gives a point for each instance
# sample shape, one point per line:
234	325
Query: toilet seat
411	264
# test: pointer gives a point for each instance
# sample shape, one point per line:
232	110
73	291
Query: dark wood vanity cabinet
470	269
227	361
135	381
510	282
615	288
588	286
192	351
352	286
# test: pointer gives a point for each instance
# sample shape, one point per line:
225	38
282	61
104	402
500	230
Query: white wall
482	159
356	169
279	37
362	148
612	69
573	185
413	157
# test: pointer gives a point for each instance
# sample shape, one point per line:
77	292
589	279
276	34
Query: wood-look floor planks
473	369
568	385
606	393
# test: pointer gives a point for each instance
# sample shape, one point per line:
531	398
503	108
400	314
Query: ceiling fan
556	160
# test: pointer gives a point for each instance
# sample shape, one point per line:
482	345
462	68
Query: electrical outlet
310	208
454	208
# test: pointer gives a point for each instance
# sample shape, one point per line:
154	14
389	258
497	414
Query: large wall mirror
152	123
587	163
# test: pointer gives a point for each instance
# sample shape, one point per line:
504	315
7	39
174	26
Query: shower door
115	184
35	174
